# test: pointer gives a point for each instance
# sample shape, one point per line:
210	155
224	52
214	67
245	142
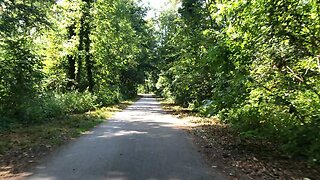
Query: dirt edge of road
235	158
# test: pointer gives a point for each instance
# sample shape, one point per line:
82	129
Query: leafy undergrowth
242	158
23	146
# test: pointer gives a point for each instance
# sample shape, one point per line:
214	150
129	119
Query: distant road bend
139	143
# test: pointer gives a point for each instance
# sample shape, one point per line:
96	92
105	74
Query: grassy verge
23	146
237	157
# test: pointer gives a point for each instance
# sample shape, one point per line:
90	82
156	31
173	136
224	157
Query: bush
274	123
108	96
49	105
54	105
207	108
76	102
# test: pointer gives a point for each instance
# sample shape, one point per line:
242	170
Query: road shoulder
239	159
24	147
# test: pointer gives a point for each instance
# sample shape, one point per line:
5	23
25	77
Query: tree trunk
87	42
71	62
89	63
84	48
80	51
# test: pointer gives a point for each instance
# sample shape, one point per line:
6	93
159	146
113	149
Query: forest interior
248	67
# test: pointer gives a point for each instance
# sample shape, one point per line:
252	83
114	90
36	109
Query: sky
156	6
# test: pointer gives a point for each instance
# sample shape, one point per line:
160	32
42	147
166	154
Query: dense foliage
69	56
254	64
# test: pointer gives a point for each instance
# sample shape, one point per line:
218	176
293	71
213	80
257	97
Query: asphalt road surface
140	143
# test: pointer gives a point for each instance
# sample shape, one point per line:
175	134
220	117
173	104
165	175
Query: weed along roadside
141	142
23	146
252	68
239	157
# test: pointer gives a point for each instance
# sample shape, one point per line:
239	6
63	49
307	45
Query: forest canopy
55	53
254	64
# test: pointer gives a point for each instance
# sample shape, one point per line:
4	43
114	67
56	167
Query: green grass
26	143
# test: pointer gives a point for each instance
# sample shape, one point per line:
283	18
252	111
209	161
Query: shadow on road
142	142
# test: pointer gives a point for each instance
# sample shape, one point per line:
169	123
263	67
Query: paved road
139	143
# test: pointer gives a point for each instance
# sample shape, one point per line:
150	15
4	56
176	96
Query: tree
20	69
251	63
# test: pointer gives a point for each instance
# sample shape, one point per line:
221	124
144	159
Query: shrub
108	96
54	105
47	106
77	102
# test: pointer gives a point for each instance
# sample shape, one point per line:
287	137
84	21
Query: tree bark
84	49
71	62
87	42
89	63
80	51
